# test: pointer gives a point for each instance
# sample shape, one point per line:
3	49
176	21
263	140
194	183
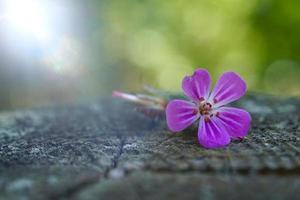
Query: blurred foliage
169	38
114	44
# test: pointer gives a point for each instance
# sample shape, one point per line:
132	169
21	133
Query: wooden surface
113	149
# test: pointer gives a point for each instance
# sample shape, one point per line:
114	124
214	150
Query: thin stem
147	100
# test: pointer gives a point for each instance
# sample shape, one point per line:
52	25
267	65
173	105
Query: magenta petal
237	121
212	134
180	114
197	86
229	88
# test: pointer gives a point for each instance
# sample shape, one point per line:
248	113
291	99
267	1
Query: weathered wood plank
119	150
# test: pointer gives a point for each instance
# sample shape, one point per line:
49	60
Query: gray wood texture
112	149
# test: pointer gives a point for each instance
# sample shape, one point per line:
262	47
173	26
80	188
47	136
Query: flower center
206	110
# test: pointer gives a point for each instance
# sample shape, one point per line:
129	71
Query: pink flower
218	124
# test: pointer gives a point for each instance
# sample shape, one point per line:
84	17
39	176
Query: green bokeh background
100	46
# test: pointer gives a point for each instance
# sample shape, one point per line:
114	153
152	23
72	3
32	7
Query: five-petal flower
218	124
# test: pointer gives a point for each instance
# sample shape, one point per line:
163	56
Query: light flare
28	16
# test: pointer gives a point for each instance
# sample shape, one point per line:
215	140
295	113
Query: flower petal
237	121
229	88
197	86
212	134
180	114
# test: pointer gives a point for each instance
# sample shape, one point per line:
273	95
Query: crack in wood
118	155
115	159
85	182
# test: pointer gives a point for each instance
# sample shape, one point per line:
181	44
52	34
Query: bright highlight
28	16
